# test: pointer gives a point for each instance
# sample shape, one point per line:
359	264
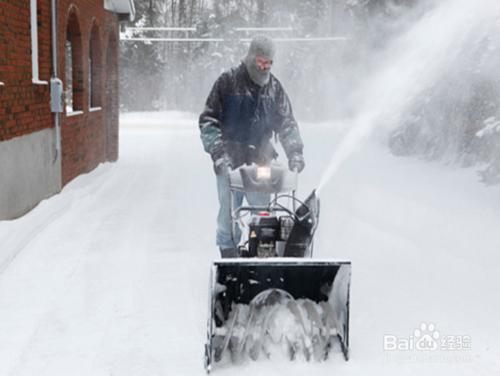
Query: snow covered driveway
110	277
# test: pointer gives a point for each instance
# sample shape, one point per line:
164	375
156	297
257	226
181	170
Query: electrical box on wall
56	95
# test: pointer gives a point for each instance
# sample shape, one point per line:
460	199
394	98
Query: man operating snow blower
267	295
245	108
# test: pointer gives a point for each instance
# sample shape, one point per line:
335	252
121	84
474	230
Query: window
69	76
73	66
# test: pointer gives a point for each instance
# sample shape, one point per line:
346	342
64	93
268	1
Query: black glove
222	165
296	162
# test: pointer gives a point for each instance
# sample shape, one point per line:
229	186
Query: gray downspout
54	77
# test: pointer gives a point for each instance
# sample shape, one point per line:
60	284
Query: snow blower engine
275	298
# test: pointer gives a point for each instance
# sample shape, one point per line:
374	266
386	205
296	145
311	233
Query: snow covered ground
110	277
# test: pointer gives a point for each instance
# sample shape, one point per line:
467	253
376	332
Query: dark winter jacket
241	117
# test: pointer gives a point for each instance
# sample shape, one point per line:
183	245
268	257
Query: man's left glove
222	165
296	162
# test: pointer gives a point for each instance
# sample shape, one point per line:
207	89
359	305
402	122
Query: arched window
73	63
95	68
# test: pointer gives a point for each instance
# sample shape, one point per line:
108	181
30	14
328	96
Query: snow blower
275	299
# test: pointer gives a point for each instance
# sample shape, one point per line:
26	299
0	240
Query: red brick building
58	94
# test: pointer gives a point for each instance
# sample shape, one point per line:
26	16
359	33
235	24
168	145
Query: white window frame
34	45
74	113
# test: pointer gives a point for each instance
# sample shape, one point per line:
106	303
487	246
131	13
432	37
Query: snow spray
410	64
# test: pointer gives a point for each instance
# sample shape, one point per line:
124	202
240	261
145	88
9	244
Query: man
245	108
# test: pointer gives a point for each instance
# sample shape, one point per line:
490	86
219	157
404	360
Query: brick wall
24	106
88	138
112	102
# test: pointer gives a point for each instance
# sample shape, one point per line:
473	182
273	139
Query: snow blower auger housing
272	299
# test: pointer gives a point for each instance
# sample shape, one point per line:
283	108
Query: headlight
263	173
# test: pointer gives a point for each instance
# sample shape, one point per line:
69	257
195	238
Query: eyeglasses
263	62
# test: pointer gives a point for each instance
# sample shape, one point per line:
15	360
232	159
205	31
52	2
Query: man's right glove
296	162
222	165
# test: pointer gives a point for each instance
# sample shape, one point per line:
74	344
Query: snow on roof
121	7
